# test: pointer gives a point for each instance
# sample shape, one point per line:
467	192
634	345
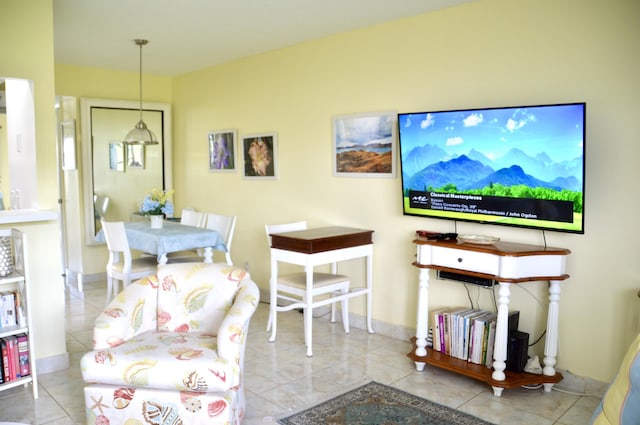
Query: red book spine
14	368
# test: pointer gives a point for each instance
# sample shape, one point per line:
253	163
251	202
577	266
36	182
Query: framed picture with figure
260	156
222	151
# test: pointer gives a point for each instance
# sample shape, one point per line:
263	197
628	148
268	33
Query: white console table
506	263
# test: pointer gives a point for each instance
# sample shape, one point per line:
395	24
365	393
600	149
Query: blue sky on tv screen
555	130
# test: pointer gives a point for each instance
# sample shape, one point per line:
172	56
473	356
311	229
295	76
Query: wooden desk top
321	239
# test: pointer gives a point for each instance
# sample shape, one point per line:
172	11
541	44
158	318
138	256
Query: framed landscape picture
259	153
222	151
365	145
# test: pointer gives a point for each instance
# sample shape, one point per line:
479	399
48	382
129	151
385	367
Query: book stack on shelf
466	333
14	360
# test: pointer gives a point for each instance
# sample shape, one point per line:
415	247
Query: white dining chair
289	291
225	225
121	266
191	217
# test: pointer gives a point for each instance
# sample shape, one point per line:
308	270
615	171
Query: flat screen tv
516	166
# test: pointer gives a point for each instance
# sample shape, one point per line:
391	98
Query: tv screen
517	166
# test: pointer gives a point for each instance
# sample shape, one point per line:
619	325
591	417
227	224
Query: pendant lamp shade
140	134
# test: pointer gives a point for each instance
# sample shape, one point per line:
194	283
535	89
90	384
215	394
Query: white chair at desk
121	267
292	288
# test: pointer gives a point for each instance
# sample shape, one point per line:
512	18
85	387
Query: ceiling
188	35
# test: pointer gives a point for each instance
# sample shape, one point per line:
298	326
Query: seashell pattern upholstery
169	349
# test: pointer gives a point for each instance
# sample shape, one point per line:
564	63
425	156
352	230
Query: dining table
171	237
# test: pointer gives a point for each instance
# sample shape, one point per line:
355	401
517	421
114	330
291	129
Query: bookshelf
507	264
14	278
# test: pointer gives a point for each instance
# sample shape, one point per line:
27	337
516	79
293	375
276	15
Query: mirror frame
86	104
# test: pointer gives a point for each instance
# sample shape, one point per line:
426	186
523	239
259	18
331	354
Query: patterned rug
379	404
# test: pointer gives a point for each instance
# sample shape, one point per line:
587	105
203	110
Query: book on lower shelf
467	333
23	355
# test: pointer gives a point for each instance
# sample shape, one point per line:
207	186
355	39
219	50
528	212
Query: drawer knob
459	260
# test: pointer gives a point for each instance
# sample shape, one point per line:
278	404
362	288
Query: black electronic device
517	351
442	236
474	280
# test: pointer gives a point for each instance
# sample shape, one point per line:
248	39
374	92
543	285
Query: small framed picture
135	156
365	145
260	153
222	150
116	156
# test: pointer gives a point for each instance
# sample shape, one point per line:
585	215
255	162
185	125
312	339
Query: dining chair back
121	266
289	291
191	217
225	225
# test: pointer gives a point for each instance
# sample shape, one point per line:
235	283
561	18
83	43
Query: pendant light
140	134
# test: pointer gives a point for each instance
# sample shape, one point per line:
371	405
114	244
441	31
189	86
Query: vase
156	221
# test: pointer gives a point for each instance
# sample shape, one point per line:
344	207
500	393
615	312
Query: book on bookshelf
10	358
23	355
438	328
5	360
478	340
491	337
8	309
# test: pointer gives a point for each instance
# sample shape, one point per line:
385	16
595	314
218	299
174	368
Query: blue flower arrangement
157	202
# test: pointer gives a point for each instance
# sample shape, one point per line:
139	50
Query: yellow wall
486	53
26	30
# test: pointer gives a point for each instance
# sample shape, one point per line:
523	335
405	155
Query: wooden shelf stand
506	264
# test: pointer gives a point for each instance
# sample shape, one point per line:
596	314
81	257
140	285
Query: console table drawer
459	259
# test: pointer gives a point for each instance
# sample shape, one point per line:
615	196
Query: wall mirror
116	176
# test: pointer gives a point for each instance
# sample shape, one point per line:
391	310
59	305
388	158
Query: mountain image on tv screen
521	166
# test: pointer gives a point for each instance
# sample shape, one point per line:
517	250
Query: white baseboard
52	363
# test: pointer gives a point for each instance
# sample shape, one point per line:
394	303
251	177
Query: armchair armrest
131	312
233	329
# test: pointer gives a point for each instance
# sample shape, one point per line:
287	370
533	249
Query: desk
325	245
172	237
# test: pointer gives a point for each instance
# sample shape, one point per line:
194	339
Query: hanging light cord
140	43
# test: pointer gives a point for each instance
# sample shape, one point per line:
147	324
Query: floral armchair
169	349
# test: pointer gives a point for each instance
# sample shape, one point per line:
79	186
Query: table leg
551	341
208	255
422	325
502	330
308	312
273	301
370	290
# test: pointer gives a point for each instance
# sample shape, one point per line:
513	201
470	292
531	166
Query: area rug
379	404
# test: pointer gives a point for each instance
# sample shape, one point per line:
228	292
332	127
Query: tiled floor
281	379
